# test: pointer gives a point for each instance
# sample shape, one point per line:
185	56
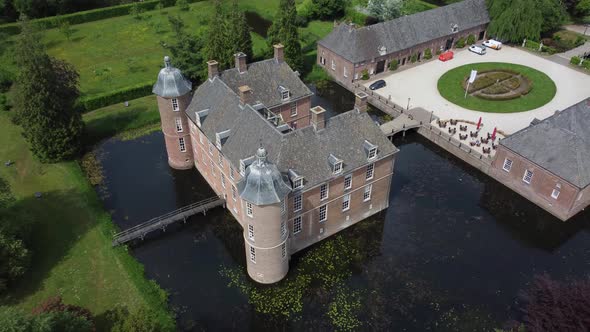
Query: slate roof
304	150
264	79
171	83
560	144
263	183
362	44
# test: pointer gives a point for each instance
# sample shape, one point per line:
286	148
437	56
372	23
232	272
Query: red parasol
494	134
479	123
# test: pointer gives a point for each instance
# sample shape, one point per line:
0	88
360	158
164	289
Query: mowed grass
544	89
71	239
124	51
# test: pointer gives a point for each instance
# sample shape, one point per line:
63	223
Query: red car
446	56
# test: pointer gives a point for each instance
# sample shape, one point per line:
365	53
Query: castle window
253	254
370	150
370	171
234	193
210	148
212	168
285	94
323	213
283	206
454	28
181	144
175	106
348	182
298	183
178	122
297	225
367	193
528	176
220	159
231	173
249	210
297	203
293	109
324	191
284	250
251	232
201	138
345	71
556	191
335	163
346	202
333	64
507	165
283	228
244	163
372	153
222	180
338	167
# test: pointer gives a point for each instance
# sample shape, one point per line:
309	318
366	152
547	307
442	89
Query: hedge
85	16
575	60
106	99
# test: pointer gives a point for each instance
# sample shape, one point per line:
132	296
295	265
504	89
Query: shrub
393	65
575	60
460	43
414	58
117	96
470	40
365	74
428	54
586	64
3	103
438	52
6	80
182	5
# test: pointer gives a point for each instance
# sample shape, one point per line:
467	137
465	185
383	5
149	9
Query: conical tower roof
262	183
171	83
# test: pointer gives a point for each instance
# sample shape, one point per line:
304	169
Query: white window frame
293	109
182	144
178	123
212	168
507	165
345	73
555	193
283	206
223	180
323	213
251	232
242	167
234	193
297	224
372	153
298	183
220	159
338	167
333	64
348	179
285	95
253	254
210	148
284	250
526	178
367	193
324	191
297	203
346	202
249	210
175	105
283	228
201	137
370	172
231	173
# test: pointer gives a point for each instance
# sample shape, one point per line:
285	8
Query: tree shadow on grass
105	127
50	226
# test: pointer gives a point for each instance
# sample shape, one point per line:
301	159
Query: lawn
543	91
72	253
124	51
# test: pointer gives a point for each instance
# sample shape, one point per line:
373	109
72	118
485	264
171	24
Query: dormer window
296	179
244	163
221	137
175	106
382	50
454	28
335	163
370	150
200	116
285	94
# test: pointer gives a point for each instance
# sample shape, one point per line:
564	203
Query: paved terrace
420	85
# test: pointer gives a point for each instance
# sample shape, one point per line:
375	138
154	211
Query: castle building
348	51
290	175
548	162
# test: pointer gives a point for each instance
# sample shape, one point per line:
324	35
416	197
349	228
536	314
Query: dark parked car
377	85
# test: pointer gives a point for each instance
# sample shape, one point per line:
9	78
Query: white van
493	44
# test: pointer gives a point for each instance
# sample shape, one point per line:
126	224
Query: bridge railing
168	215
461	145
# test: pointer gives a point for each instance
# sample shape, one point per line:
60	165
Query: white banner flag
473	76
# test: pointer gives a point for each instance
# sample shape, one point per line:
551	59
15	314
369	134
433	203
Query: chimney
279	52
241	65
245	95
213	69
317	118
360	102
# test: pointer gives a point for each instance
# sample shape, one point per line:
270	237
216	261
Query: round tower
174	95
264	192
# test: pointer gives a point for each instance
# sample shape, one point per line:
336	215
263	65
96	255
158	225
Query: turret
174	95
264	192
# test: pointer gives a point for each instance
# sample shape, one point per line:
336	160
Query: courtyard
418	86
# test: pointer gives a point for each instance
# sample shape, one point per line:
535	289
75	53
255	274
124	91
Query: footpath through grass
451	88
72	253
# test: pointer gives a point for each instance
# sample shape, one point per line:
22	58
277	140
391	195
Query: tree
385	10
284	30
55	305
12	319
182	5
186	51
328	9
14	260
583	8
139	320
239	32
215	45
45	94
66	29
553	14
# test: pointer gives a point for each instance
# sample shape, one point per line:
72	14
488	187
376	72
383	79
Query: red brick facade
295	113
175	127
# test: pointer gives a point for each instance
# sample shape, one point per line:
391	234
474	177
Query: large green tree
216	46
186	51
14	260
15	320
385	10
239	32
45	94
515	20
284	30
328	9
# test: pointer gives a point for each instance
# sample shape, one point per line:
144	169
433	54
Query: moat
452	252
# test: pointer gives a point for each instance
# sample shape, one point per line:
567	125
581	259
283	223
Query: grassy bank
72	253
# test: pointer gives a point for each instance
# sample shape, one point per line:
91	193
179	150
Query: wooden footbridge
141	230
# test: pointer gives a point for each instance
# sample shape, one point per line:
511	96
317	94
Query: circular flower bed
498	88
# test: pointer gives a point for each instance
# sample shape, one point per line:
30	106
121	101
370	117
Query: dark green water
450	254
